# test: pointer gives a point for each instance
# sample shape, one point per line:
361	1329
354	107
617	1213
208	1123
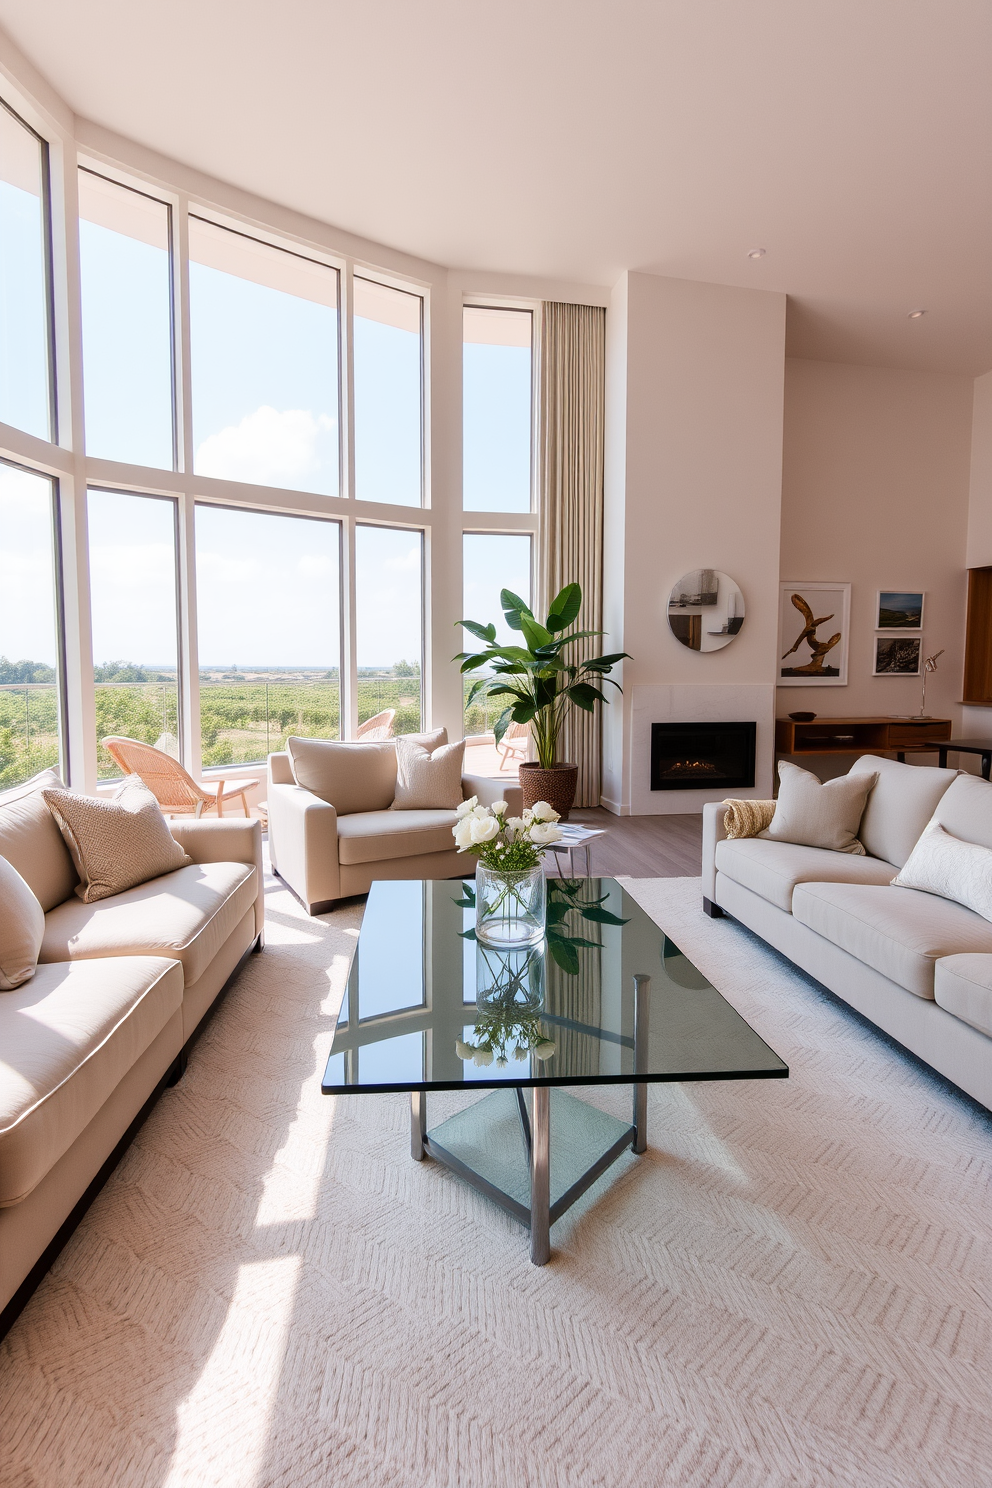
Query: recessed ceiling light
756	253
915	314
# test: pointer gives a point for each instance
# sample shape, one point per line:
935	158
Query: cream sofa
917	965
326	851
121	988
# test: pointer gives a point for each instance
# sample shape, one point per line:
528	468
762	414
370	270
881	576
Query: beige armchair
335	844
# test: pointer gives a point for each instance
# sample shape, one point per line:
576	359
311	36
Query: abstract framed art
814	625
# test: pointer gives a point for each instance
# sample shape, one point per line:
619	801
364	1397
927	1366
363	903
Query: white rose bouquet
506	844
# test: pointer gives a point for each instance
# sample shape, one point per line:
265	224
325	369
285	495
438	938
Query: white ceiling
850	138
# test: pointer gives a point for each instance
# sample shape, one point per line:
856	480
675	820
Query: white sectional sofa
917	965
121	988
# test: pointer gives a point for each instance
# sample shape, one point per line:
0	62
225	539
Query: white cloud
268	448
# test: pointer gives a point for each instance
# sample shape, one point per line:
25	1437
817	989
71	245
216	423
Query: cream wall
694	448
875	491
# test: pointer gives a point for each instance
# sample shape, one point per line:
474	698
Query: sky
265	401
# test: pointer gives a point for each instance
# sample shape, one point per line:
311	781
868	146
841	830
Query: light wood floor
643	846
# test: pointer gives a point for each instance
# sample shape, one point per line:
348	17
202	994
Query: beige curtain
573	381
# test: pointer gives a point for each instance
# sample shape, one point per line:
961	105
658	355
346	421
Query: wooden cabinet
978	639
883	735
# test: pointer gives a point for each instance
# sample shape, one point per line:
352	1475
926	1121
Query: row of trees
240	722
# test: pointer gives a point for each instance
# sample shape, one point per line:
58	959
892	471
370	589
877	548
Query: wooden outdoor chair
379	727
514	744
174	788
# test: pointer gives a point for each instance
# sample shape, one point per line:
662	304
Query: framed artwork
899	609
897	656
813	627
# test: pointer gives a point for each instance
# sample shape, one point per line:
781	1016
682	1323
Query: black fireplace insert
702	756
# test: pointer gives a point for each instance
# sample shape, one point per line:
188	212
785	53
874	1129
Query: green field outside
240	722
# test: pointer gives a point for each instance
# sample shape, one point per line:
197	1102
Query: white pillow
944	865
427	781
22	926
812	814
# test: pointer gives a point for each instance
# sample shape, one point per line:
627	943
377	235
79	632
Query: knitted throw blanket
747	818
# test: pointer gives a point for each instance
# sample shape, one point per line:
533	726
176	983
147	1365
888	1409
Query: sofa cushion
965	809
902	801
187	915
962	985
351	777
942	864
376	836
30	840
67	1039
117	844
773	869
428	779
22	927
899	932
812	814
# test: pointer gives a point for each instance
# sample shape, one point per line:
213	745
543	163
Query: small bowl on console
802	717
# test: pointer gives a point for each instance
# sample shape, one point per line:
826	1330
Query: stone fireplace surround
692	703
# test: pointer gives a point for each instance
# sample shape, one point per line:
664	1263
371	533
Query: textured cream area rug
792	1287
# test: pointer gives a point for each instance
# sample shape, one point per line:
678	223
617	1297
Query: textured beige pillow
816	815
115	844
942	864
355	776
22	926
426	780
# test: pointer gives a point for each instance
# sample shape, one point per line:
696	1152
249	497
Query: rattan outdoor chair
174	788
378	727
514	744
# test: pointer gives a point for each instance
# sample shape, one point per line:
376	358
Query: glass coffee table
606	999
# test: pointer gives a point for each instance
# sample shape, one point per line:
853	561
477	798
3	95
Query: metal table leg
418	1123
642	994
540	1177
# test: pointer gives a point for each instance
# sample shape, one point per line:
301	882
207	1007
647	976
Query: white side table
577	839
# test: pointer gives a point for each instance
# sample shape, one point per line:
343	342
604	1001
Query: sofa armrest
226	841
489	790
280	770
714	831
303	843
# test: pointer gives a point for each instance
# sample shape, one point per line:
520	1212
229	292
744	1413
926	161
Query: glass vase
509	907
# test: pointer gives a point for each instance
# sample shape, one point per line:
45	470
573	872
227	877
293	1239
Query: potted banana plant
539	685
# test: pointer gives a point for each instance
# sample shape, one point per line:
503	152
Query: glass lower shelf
488	1138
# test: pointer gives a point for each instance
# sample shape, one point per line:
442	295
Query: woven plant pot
556	786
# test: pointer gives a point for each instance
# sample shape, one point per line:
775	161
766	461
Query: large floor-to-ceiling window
243	493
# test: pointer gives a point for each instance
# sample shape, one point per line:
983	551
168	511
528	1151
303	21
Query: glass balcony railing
148	711
242	722
29	730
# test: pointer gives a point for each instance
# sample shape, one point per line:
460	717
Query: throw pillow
812	814
359	776
942	864
425	780
115	844
22	926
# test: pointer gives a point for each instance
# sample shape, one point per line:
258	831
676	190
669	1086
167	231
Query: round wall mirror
705	610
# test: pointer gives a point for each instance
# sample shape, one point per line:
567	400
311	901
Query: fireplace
702	756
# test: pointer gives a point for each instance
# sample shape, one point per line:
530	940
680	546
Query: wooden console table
882	735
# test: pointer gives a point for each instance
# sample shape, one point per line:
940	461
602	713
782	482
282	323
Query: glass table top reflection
429	1007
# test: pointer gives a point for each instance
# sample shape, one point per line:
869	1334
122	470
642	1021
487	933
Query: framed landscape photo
897	656
813	628
899	609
